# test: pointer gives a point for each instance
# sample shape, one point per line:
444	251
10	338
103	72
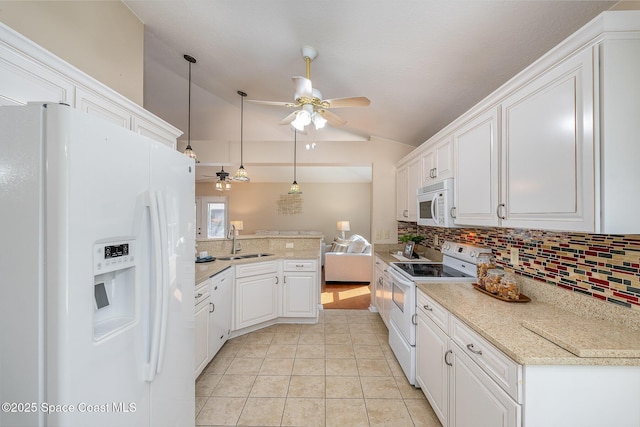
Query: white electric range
458	265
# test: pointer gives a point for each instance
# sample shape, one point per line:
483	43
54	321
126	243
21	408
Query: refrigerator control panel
113	256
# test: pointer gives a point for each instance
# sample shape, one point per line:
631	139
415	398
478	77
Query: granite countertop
206	270
560	337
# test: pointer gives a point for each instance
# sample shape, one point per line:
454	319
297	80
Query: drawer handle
473	350
426	307
299	265
447	360
198	295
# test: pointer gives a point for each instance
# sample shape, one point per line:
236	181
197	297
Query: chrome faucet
232	235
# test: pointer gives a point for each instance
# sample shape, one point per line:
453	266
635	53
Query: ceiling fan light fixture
222	184
318	120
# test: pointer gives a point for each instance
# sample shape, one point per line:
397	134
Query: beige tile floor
339	372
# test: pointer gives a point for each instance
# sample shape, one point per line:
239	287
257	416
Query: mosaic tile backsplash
606	267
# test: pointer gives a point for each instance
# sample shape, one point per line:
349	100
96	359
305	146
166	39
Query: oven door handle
405	283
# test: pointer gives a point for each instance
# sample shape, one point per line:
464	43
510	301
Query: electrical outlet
515	257
289	245
435	240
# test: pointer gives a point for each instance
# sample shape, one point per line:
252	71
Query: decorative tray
523	298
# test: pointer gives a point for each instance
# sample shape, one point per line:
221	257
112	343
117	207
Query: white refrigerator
97	226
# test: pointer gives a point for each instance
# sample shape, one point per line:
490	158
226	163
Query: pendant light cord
242	95
189	123
295	140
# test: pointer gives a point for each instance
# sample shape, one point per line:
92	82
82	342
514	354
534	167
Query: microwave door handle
433	209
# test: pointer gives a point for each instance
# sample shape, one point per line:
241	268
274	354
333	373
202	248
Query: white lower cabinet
257	293
299	289
201	338
432	373
458	387
477	400
221	296
270	290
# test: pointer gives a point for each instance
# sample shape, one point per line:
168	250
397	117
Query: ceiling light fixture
222	184
295	188
189	151
241	173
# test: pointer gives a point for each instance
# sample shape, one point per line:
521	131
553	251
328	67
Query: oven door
403	306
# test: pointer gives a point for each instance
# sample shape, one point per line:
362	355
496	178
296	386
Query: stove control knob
473	254
446	246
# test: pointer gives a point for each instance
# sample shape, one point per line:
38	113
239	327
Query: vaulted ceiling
422	63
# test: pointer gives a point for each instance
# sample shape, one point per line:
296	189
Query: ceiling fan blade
276	103
359	101
291	117
303	87
333	119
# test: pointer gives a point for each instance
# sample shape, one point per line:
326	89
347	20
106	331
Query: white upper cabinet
476	183
29	73
547	154
556	147
437	161
408	180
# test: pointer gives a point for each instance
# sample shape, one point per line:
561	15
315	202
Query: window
212	218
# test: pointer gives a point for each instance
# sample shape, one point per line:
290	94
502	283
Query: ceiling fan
312	107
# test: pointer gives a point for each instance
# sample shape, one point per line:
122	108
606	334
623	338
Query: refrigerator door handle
164	228
156	250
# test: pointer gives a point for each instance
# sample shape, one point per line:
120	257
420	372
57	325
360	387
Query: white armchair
349	260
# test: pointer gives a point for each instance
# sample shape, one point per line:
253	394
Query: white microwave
435	204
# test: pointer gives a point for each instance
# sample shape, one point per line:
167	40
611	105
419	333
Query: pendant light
295	188
241	173
189	151
222	184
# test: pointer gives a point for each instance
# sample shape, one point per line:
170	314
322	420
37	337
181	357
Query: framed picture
408	250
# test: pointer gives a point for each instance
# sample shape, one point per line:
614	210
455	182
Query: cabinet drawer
434	311
256	268
221	278
299	265
202	291
496	364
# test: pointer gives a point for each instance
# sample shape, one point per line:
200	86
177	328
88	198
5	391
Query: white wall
102	38
323	204
380	154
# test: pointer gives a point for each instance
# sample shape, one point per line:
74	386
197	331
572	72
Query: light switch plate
289	245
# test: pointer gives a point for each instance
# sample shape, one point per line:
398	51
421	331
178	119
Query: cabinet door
476	183
432	373
256	300
414	181
478	401
444	159
402	212
220	311
299	294
201	335
548	150
428	160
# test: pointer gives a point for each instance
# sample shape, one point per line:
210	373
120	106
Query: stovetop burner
429	270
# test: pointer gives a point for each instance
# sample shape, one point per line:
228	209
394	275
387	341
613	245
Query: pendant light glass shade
222	184
189	151
241	173
295	188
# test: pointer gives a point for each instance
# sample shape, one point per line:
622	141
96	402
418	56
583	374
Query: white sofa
349	260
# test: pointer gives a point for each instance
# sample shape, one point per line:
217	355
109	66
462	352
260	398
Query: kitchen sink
243	256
